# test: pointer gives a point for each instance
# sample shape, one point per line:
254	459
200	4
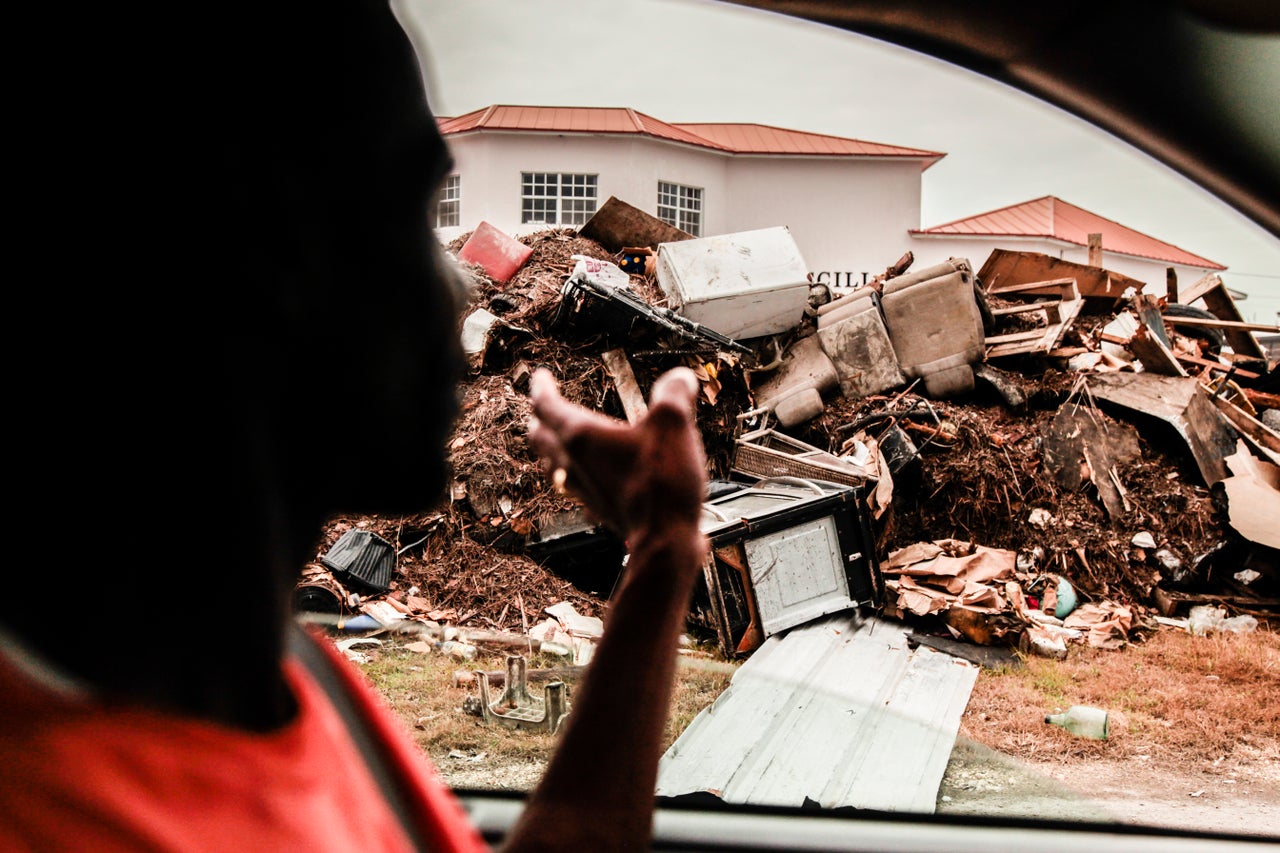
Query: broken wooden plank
1216	366
1182	403
1260	438
1217	300
1024	309
618	225
624	380
1079	447
1058	315
1005	268
1063	287
1013	337
1222	324
1171	602
1155	356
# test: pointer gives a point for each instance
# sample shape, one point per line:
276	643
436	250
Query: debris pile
1035	454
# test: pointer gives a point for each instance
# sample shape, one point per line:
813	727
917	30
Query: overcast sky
702	61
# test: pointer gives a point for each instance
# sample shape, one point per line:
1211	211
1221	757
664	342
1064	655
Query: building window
449	203
680	206
555	198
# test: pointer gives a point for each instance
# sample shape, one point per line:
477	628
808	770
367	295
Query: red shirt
75	775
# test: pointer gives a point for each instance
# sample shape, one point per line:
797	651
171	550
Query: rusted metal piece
517	708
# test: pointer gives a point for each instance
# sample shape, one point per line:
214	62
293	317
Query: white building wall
934	250
490	165
848	216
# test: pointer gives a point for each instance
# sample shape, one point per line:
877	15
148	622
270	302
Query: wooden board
1005	268
618	225
1058	315
624	380
1218	302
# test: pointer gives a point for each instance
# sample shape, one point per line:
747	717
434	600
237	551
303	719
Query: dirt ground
981	781
1227	797
1194	743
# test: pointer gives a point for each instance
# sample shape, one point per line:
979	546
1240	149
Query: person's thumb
677	387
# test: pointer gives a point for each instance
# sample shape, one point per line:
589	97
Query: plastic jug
1083	721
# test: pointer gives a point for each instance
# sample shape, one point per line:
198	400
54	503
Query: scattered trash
1206	619
1066	599
497	253
1145	540
362	560
1082	721
459	651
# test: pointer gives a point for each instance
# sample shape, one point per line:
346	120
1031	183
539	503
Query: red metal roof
764	139
730	138
1052	217
571	120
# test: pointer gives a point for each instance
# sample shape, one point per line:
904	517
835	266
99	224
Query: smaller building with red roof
1055	227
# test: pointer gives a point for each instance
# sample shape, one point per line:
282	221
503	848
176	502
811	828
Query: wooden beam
1023	309
1049	287
1095	250
1218	301
1256	434
624	380
1154	355
1221	324
1215	365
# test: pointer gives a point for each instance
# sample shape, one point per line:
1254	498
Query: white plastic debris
1247	576
1143	539
1040	518
1206	618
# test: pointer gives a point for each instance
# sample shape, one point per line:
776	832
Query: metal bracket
516	708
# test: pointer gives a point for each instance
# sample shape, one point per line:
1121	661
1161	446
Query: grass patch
1176	697
420	690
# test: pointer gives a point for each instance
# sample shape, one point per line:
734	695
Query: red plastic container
498	254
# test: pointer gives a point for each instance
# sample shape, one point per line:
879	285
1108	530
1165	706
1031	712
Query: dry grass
419	688
1177	698
1175	701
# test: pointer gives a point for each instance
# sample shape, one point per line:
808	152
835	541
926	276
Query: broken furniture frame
1059	312
765	453
1005	269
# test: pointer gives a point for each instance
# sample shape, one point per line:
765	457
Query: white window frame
681	206
449	203
558	198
